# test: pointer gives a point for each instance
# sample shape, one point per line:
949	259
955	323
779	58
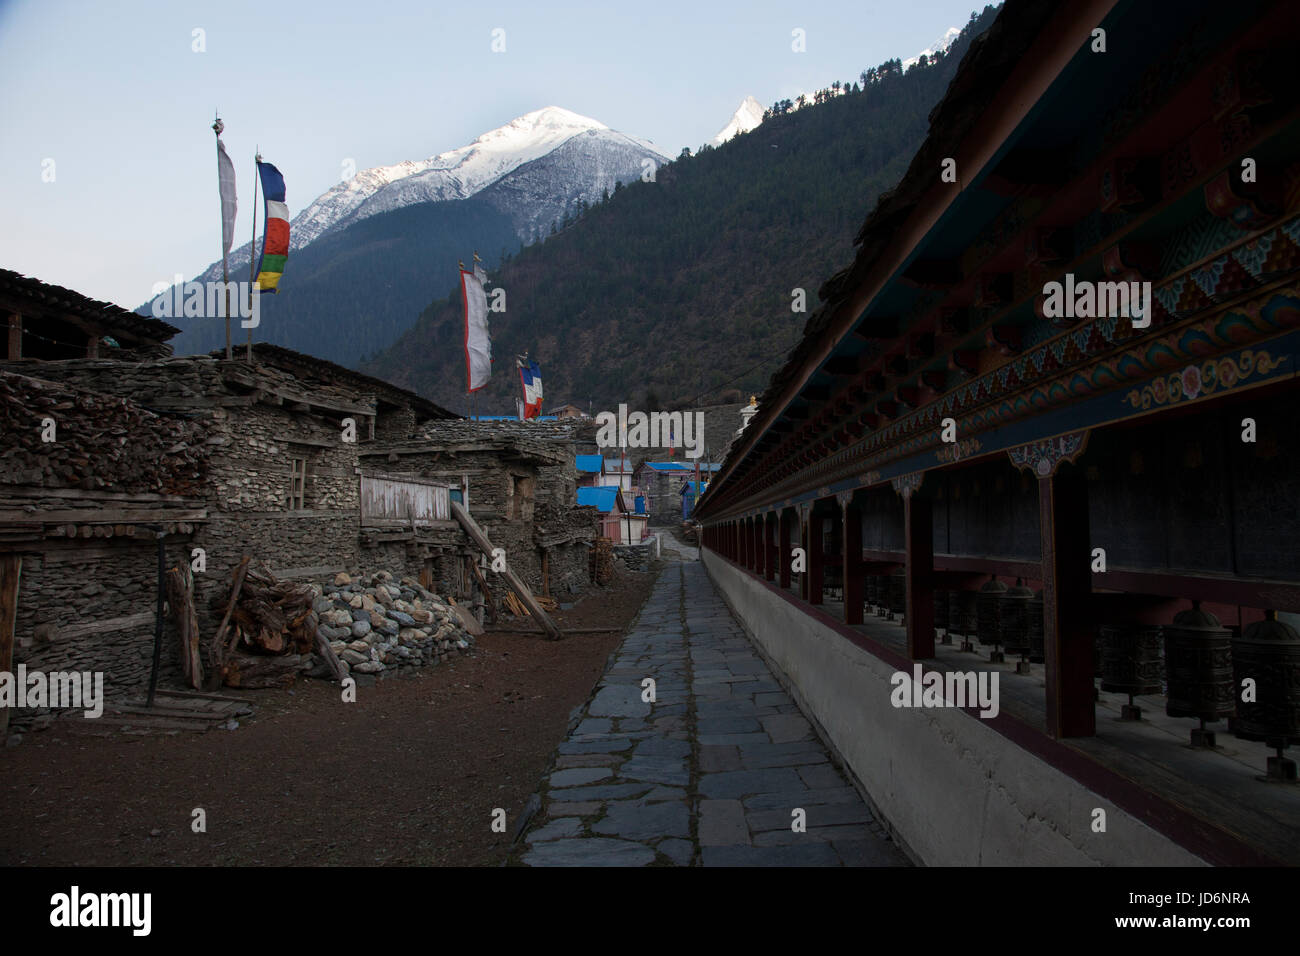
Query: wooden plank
102	516
202	695
180	595
11	566
107	626
324	650
480	539
218	640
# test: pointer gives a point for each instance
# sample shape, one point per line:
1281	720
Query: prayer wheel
1268	653
1015	610
988	615
872	590
897	592
941	614
1198	666
1037	652
1130	663
961	614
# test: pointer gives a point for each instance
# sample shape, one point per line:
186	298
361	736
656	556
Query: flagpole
217	127
252	257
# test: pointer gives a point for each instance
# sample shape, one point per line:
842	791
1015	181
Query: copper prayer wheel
1198	666
941	613
1037	652
1130	659
961	612
1268	652
1015	608
898	591
988	612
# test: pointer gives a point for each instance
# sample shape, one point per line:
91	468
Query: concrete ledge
956	791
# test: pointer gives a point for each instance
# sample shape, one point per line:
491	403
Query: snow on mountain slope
455	174
747	116
942	43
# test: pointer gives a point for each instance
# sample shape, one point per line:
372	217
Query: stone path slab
718	769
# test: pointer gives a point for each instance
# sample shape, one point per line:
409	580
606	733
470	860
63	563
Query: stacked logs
98	441
602	561
268	632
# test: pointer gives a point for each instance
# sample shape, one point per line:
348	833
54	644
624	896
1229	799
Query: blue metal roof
589	464
603	497
668	466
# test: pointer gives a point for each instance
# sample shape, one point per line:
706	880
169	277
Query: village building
306	467
621	524
617	472
590	469
661	482
946	472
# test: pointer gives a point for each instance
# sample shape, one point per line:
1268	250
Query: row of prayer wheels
1200	666
1208	673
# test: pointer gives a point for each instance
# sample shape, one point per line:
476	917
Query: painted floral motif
1253	254
1207	378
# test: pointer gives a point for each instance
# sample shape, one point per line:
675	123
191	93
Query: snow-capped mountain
460	173
942	43
748	115
373	251
455	174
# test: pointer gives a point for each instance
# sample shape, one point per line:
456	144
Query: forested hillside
682	287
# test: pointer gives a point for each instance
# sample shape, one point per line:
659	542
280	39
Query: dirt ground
409	774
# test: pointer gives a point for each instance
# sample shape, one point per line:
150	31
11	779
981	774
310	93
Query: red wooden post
1067	589
783	549
770	556
918	538
804	522
816	558
855	583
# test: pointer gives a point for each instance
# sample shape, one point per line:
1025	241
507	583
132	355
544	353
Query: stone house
222	458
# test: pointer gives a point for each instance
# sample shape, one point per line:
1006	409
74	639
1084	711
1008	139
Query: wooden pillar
770	556
10	573
92	346
816	557
15	336
783	548
918	610
1067	590
855	583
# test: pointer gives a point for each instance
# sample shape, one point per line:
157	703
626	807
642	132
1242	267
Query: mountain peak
455	174
748	115
945	41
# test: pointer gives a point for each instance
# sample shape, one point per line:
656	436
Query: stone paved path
711	771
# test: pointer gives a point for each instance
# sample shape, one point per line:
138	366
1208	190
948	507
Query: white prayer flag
478	346
226	183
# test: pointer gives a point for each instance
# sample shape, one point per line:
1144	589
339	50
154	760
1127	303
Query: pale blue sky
113	93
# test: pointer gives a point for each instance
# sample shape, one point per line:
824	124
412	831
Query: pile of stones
387	624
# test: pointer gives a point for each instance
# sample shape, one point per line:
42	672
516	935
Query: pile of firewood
268	632
601	561
98	441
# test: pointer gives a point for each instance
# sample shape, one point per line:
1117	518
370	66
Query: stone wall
67	590
999	805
